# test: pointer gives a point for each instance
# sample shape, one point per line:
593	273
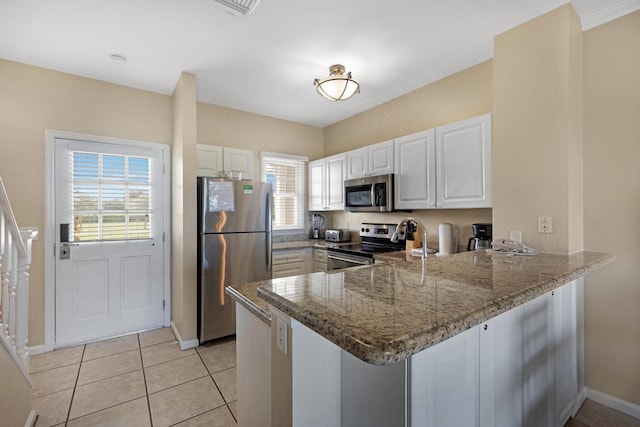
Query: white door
112	198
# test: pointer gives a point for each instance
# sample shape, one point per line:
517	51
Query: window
286	174
110	196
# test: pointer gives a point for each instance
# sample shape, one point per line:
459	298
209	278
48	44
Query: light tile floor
145	380
141	379
593	414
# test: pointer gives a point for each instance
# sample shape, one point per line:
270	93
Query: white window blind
110	197
286	174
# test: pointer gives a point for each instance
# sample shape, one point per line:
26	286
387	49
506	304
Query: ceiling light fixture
338	86
118	59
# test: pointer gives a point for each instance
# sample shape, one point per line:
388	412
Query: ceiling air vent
244	7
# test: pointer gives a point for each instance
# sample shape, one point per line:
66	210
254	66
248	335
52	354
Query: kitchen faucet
409	223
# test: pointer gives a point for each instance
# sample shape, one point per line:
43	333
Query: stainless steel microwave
369	194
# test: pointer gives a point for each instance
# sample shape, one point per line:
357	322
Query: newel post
22	298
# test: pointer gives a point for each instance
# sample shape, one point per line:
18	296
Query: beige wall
184	290
612	205
537	137
15	404
233	128
459	96
34	99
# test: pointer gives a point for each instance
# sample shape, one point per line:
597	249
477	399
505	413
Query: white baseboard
613	402
31	419
184	345
582	396
37	349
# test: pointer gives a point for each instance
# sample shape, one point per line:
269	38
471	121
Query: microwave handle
374	195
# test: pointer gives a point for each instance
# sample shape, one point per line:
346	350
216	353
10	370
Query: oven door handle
352	260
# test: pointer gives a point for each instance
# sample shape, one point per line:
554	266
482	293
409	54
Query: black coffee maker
481	237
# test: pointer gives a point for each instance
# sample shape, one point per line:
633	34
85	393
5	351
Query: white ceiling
266	62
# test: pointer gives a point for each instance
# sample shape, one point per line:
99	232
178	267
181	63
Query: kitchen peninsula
466	339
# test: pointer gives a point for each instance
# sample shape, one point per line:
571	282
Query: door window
110	197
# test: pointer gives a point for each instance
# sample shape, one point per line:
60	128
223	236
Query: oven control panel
382	231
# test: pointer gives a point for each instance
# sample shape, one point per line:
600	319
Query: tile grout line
73	393
226	404
144	378
112	406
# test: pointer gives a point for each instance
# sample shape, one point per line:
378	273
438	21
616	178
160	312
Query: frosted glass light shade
338	86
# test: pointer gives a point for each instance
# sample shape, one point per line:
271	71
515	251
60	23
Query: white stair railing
15	259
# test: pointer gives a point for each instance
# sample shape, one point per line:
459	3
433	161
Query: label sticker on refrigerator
247	189
221	196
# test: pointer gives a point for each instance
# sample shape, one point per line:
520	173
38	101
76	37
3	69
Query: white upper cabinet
357	163
415	171
317	184
376	159
464	164
209	160
326	183
236	159
335	181
213	159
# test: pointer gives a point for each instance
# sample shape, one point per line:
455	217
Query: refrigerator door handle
267	250
268	214
269	230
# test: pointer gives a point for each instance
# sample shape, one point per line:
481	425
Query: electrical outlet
545	224
282	336
515	235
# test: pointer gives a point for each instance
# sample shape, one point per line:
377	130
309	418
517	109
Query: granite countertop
247	295
386	312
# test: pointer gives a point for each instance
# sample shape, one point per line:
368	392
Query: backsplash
461	218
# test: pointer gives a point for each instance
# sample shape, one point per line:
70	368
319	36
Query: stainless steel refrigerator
234	246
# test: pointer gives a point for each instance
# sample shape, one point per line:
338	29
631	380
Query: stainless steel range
374	238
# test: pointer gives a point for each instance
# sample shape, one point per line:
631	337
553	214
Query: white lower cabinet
538	362
517	369
501	362
291	262
253	371
566	352
445	382
319	260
